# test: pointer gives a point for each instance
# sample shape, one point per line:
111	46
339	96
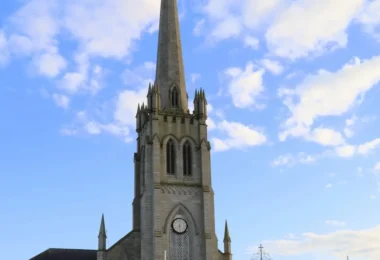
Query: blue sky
293	90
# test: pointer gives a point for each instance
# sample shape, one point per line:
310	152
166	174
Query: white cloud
218	9
210	124
335	223
290	160
233	19
339	244
238	136
93	128
116	118
303	18
72	82
37	20
21	45
345	151
251	42
328	186
126	106
245	86
83	79
348	131
127	100
35	28
368	147
50	64
348	150
377	166
317	95
326	137
100	29
370	19
95	82
107	29
68	131
255	12
228	28
351	121
195	77
210	108
198	28
291	236
273	66
61	100
140	76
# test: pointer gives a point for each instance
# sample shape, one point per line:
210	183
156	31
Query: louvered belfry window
170	157
186	157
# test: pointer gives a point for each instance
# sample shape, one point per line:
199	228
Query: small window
174	97
186	153
170	157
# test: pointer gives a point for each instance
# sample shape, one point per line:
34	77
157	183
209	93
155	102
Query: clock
179	225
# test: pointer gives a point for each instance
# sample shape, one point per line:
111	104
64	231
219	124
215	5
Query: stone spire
227	243
170	71
102	236
226	233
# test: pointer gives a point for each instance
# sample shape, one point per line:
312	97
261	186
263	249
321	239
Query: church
173	205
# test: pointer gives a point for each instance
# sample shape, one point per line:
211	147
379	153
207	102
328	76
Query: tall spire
170	70
102	236
227	243
226	233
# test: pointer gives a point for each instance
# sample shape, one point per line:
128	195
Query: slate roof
66	254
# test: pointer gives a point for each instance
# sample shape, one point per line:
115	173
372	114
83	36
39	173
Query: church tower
173	206
174	199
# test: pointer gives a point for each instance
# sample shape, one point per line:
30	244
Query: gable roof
66	254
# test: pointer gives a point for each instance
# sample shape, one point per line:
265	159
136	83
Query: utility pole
261	254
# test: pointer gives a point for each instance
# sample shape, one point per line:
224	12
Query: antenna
261	254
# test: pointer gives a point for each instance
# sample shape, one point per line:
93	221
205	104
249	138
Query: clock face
179	225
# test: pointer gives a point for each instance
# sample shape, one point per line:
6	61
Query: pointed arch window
186	157
174	97
170	157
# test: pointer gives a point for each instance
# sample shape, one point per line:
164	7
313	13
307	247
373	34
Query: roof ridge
77	249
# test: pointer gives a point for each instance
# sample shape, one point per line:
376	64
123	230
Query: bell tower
173	208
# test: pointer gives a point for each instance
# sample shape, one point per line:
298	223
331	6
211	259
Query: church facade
173	206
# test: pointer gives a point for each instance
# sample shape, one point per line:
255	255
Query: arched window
186	157
170	157
174	97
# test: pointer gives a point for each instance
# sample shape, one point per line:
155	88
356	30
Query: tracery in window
186	157
170	157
